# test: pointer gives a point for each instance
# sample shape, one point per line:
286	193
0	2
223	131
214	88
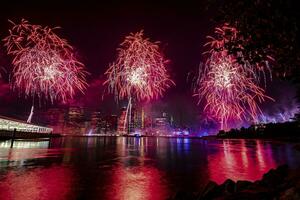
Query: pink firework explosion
44	65
230	89
139	71
227	38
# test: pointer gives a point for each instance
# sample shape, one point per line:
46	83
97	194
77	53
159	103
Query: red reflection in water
136	183
238	162
37	184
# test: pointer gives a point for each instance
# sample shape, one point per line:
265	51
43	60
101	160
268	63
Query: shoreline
213	137
5	135
39	136
279	183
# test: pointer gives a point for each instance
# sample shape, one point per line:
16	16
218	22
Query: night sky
96	29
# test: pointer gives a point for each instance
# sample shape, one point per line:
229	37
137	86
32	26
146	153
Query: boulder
228	187
211	190
274	178
291	194
242	185
280	183
184	196
250	195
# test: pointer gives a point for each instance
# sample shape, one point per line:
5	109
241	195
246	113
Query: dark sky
96	29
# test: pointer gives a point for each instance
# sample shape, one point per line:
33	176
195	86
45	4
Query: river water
131	168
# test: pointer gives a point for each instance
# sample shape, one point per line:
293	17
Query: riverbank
280	183
288	131
132	136
212	137
295	140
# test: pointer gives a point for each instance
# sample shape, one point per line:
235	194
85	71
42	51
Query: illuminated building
139	118
55	118
75	114
162	121
75	121
96	120
121	122
9	124
111	122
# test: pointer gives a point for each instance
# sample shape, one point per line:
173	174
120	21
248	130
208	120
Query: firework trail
139	72
44	65
230	89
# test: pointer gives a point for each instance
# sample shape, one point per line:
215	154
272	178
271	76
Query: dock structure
9	124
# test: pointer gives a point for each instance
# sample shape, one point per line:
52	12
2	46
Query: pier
17	129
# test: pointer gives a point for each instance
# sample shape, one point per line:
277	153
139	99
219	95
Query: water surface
131	168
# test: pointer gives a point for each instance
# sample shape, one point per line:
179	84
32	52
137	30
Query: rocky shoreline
281	183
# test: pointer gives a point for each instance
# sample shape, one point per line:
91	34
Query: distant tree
266	27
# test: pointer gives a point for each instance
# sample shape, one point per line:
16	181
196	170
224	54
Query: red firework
230	89
139	71
44	64
227	38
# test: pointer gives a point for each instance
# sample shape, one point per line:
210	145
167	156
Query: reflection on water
24	144
131	168
38	184
136	183
241	159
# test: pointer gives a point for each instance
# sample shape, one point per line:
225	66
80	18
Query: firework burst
44	65
139	71
228	39
229	88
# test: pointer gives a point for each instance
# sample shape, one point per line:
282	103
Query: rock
274	178
280	183
290	194
242	185
228	187
293	179
210	191
282	170
184	196
250	195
